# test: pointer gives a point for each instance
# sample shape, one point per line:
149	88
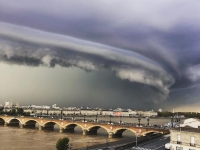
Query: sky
132	54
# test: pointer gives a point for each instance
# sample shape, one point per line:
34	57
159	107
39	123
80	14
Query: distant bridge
69	125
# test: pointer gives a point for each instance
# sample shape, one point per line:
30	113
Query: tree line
185	114
14	112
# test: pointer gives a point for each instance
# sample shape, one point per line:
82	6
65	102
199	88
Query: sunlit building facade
185	138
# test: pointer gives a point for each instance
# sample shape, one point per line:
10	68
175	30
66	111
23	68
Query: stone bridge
69	125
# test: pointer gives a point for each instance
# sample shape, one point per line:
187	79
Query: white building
90	111
7	104
55	107
133	113
107	112
185	138
17	104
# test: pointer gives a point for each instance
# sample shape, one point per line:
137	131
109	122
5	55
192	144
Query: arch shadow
2	121
71	127
147	133
50	125
93	129
31	123
14	122
118	133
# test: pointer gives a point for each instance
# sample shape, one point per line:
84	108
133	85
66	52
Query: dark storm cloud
153	43
67	51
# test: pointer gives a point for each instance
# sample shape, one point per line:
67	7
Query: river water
14	138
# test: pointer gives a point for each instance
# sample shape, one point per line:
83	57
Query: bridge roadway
88	128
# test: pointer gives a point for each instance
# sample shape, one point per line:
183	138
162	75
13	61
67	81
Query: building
7	104
191	122
185	138
120	112
17	104
147	113
11	104
107	112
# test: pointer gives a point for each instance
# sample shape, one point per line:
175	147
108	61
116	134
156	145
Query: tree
62	144
20	111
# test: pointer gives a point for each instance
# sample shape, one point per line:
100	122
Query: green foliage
15	112
191	115
62	144
165	114
1	109
20	111
185	114
26	113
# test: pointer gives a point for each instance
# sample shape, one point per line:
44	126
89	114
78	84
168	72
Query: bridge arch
71	126
14	122
49	125
31	123
93	129
119	132
11	119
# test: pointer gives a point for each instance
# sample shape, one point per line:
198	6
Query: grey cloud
127	65
194	72
155	43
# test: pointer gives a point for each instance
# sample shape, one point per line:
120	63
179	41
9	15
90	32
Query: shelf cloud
140	42
33	47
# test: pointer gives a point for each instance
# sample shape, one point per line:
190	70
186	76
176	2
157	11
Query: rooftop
187	129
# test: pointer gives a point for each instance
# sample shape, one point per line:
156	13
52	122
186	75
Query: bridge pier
5	124
110	135
61	130
85	132
40	127
21	126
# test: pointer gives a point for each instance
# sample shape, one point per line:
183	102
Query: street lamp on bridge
136	137
73	118
148	119
139	119
110	122
61	113
120	120
84	120
96	118
172	121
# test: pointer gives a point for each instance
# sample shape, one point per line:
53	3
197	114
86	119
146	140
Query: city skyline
137	55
